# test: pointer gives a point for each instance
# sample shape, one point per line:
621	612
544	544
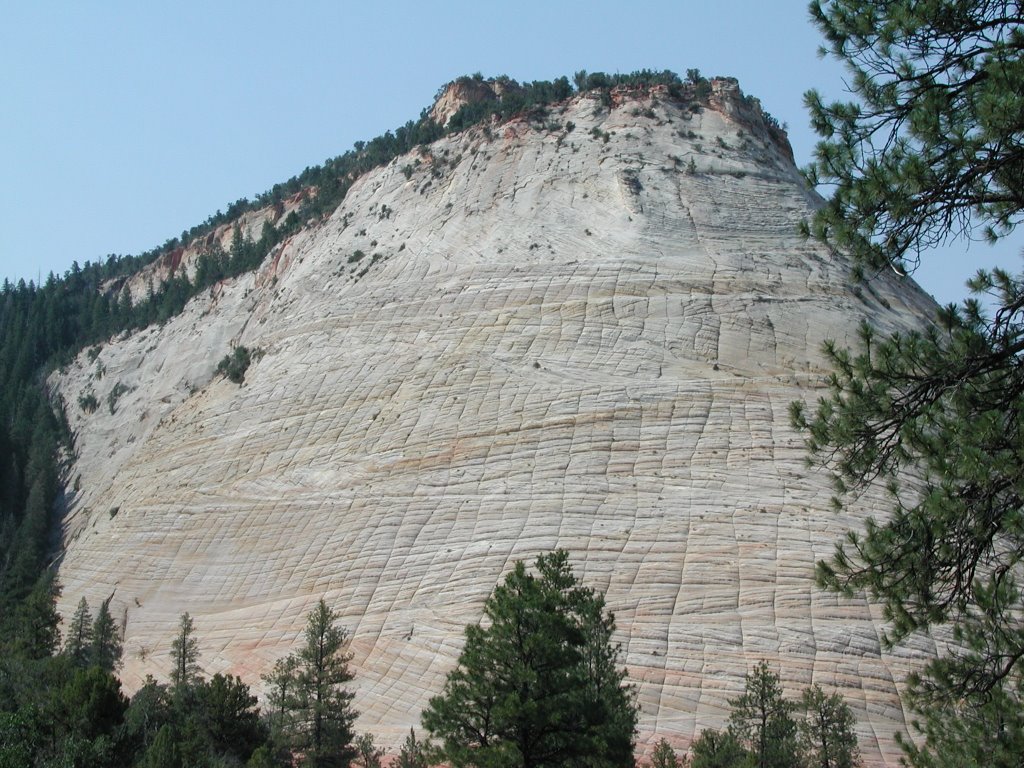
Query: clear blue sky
124	123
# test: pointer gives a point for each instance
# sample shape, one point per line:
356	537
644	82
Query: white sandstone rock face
555	338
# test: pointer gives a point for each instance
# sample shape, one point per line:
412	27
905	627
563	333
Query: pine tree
281	684
27	550
931	148
929	151
227	718
368	754
664	756
37	633
150	709
323	709
613	714
105	649
412	753
185	655
828	731
962	733
539	685
719	749
762	719
88	712
78	642
164	751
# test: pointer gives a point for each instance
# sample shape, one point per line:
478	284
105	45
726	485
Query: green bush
235	365
114	395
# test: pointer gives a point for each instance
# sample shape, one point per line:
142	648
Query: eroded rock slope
583	332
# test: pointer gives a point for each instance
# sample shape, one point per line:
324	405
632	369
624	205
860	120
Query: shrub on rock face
235	365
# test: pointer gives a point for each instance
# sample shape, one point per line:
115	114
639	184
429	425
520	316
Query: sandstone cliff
582	331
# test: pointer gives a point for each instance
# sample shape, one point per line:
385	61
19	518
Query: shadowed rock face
553	340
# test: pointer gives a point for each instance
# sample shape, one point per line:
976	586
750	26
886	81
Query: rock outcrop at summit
580	331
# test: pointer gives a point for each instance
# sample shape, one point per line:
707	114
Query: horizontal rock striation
582	331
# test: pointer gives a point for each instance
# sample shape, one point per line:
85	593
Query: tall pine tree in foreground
310	712
931	150
828	730
325	710
78	642
766	729
105	651
185	655
538	683
763	720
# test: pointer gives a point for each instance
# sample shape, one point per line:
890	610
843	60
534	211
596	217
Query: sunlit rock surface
583	338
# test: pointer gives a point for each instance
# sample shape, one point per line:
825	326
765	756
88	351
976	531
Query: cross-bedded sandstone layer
579	332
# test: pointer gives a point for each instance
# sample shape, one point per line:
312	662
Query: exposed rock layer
584	338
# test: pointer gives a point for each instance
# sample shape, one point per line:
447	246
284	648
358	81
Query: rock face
185	258
583	333
459	93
